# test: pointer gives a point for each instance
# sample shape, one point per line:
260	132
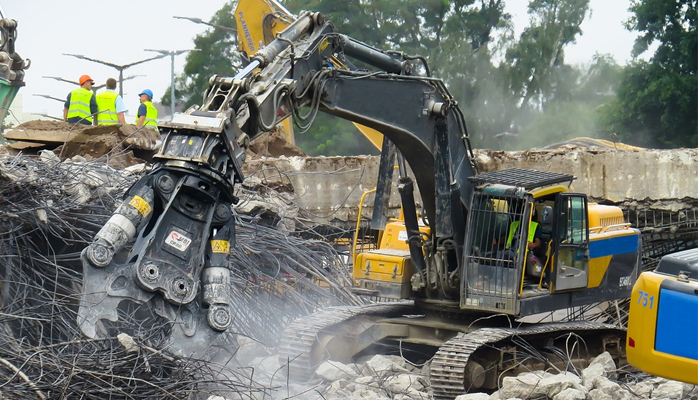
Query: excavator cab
582	248
498	262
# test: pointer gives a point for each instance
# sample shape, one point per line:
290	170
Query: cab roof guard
525	178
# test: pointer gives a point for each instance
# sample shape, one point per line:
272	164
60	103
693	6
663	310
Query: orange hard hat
85	78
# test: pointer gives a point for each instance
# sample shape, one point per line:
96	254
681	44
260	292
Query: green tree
534	73
657	101
586	88
456	37
404	25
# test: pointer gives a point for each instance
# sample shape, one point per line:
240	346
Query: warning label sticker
402	236
178	241
220	246
141	205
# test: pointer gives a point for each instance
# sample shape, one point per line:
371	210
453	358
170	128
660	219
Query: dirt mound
273	144
120	145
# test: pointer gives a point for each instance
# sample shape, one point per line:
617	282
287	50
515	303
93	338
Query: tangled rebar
49	211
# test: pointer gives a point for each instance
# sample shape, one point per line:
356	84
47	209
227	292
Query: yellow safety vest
80	104
512	230
151	116
106	103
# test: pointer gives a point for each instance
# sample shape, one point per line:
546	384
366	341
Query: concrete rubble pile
119	146
383	377
49	210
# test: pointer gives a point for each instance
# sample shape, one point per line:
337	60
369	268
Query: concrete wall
326	188
617	176
330	188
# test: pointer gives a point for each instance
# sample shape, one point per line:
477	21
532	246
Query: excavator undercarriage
465	355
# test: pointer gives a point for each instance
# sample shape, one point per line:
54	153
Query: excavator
12	65
459	275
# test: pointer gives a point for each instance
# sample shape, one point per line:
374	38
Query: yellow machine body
387	271
258	22
606	225
663	321
585	250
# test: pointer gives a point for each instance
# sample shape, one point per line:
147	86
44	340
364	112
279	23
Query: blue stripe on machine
612	246
677	322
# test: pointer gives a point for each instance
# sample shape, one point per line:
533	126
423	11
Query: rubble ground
120	145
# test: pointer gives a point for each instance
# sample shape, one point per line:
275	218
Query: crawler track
305	343
298	343
448	367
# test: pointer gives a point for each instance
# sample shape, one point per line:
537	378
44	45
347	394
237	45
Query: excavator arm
258	22
310	73
12	65
168	243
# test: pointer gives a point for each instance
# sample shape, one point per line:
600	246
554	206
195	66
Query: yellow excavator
459	264
258	23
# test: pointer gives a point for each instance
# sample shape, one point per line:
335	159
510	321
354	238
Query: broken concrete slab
120	145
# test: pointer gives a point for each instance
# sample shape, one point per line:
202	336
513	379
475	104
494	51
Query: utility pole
95	88
172	54
49	97
119	68
200	21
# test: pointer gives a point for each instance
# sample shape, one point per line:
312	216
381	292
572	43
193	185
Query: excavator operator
510	248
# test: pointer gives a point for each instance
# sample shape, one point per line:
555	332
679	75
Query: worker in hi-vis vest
533	236
81	105
147	114
511	248
111	106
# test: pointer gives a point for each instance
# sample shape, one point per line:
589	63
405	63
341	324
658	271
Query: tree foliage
535	64
657	100
454	36
502	84
516	92
573	113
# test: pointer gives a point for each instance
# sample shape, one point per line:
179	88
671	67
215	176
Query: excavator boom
258	23
177	213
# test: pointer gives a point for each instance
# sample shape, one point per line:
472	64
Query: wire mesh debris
49	211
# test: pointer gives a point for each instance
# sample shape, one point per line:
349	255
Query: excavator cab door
571	238
493	257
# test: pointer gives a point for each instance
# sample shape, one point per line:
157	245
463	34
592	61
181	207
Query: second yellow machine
663	321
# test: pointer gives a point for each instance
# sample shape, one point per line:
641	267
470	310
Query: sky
119	32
